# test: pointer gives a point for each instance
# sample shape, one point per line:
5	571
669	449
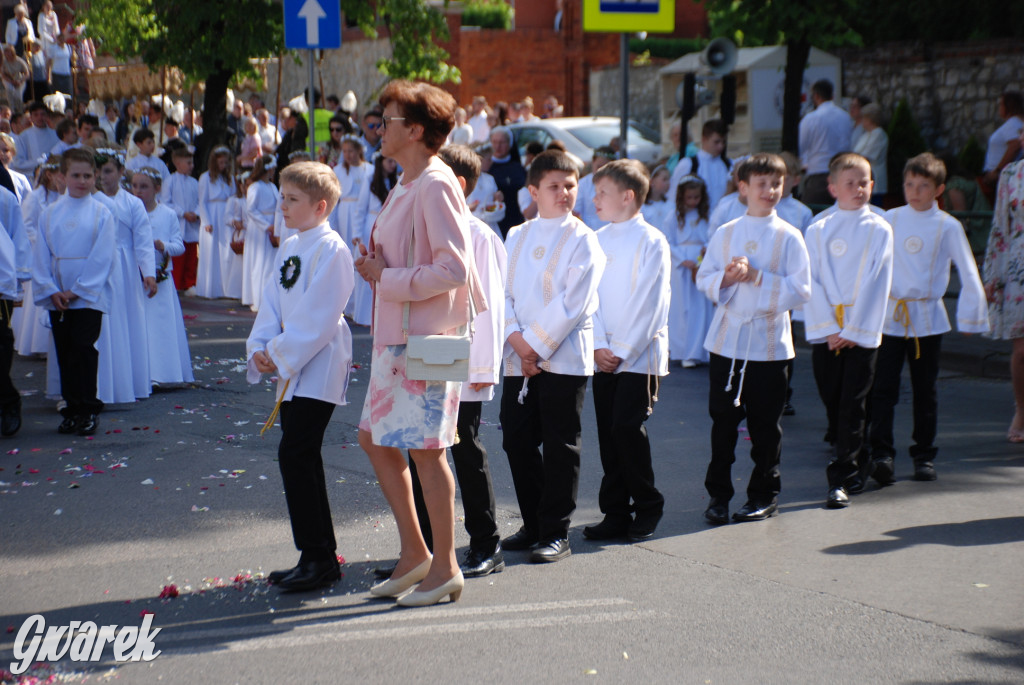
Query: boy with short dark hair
300	335
145	141
555	265
181	193
926	241
630	351
710	162
755	269
74	253
851	264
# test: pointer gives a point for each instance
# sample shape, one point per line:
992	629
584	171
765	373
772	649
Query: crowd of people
616	274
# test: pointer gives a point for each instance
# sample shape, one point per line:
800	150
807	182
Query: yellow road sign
627	16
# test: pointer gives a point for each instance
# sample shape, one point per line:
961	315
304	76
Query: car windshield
596	135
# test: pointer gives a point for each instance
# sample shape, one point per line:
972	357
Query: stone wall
952	88
644	94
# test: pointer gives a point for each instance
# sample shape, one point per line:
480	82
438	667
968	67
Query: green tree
797	24
212	41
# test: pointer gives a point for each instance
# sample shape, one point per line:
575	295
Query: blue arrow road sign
312	24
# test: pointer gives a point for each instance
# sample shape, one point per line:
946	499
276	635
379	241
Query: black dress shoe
838	498
924	470
521	540
643	527
787	409
86	425
610	528
884	473
68	426
10	419
854	486
309	575
717	513
756	511
385	571
547	551
477	564
275	577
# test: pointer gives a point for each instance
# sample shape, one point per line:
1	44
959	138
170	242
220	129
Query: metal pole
312	108
624	123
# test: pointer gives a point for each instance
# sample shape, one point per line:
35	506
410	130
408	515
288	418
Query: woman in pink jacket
427	208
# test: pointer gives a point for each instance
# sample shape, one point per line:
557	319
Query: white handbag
437	357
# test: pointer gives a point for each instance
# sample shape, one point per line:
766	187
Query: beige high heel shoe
452	589
393	587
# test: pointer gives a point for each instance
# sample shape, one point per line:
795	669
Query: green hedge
666	48
487	14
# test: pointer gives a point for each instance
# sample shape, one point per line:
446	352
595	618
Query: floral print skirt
407	414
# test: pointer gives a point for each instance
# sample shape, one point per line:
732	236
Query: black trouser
815	190
474	476
546	484
924	372
844	383
303	423
761	404
9	395
75	332
621	401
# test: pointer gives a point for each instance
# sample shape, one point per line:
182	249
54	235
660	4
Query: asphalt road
915	583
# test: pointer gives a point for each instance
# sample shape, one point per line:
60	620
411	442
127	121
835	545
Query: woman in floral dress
1004	281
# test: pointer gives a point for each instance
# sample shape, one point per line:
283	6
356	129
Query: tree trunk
215	116
797	54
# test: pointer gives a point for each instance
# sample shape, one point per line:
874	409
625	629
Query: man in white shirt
824	133
710	163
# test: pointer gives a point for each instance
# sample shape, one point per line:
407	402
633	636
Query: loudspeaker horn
720	56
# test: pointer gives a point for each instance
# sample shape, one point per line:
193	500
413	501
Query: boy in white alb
851	264
710	162
554	267
755	270
300	334
630	351
74	253
146	142
926	241
584	208
181	193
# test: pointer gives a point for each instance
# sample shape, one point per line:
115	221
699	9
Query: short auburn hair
627	174
83	154
314	179
547	161
847	160
761	164
425	105
464	162
927	166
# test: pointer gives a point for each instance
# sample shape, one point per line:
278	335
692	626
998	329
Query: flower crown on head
272	164
297	153
50	166
351	139
151	172
105	154
221	150
690	178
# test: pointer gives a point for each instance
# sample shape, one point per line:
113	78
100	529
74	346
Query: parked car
582	134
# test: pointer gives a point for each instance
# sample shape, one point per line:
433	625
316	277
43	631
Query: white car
582	134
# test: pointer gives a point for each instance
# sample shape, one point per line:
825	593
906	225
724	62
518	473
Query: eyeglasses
373	126
337	130
385	120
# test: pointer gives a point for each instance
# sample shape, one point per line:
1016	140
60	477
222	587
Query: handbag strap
409	264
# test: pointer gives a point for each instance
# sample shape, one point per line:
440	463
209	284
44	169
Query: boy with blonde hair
851	265
300	335
630	351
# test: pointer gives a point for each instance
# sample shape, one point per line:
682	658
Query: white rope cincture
524	391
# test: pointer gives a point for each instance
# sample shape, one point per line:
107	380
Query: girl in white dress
260	251
215	188
234	219
122	342
169	358
31	335
657	207
690	311
349	216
